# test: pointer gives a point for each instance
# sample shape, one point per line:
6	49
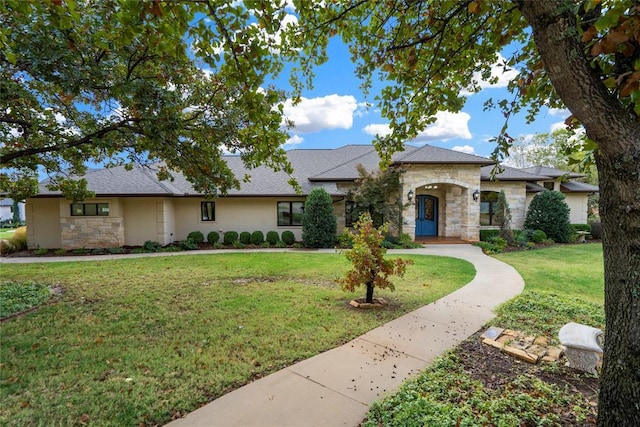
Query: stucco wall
459	215
578	204
145	219
43	223
516	193
232	214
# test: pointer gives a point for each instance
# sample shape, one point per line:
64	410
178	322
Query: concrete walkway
337	387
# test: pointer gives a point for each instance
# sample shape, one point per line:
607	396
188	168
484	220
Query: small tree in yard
549	212
502	217
318	223
367	256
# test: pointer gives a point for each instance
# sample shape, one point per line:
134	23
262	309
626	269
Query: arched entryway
426	216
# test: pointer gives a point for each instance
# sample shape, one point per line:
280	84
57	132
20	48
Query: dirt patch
497	370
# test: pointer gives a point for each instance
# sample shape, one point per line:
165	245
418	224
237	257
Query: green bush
80	251
60	252
245	237
213	237
151	246
257	238
549	212
280	244
272	237
318	223
581	227
171	249
498	242
196	237
538	236
238	244
596	230
188	245
345	240
41	251
97	251
116	250
288	237
230	237
485	235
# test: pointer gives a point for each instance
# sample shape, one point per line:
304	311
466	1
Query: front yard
139	341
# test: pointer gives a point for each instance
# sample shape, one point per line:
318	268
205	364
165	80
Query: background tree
502	216
584	56
378	194
550	213
370	268
318	223
116	83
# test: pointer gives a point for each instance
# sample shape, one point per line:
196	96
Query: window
89	209
548	185
488	200
349	211
290	213
208	211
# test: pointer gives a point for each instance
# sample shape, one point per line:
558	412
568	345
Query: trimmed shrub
538	236
245	237
549	212
188	245
288	237
196	237
230	237
272	237
345	240
581	227
213	237
318	223
257	238
151	246
485	235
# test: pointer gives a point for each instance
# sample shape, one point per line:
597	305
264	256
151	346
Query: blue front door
426	216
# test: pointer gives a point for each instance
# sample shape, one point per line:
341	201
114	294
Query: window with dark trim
488	200
89	209
349	211
548	185
290	213
208	211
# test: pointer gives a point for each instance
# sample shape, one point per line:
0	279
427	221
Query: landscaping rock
521	354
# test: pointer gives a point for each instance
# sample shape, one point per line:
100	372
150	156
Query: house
7	207
445	193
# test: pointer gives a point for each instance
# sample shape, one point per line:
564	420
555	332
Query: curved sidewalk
336	388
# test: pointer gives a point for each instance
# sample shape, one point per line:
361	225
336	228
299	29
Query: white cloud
562	112
557	126
377	129
447	126
499	72
464	149
293	141
316	114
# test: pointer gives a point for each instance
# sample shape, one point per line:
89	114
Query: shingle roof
578	187
509	174
535	188
431	154
552	172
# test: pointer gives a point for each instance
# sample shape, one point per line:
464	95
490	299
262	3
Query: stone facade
453	185
516	193
92	232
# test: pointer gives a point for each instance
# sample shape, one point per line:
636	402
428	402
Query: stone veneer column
92	232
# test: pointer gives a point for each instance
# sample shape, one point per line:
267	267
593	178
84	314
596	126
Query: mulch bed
496	370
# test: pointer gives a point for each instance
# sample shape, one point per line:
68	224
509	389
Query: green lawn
5	233
135	341
562	284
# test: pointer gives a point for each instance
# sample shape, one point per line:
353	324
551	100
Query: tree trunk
617	133
369	298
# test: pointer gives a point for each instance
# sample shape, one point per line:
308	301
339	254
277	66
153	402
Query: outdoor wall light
410	195
476	195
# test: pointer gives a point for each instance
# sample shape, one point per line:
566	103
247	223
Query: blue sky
333	114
